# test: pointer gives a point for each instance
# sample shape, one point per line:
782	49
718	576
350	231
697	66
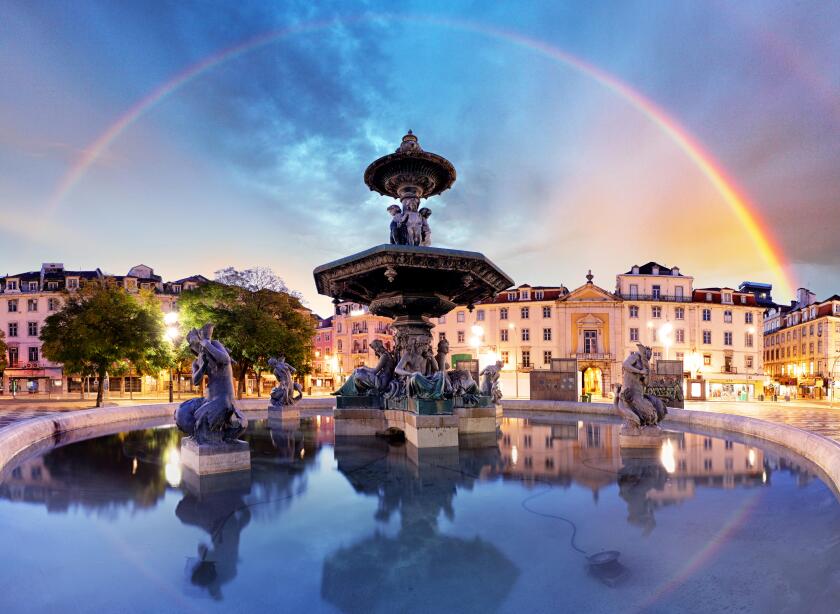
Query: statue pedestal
430	431
473	420
358	422
213	458
645	437
209	484
283	417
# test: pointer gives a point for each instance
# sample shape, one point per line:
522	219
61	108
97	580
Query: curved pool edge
37	434
821	451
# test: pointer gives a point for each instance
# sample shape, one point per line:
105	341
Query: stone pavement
816	417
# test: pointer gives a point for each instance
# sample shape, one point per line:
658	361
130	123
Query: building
802	347
712	330
324	360
27	299
353	330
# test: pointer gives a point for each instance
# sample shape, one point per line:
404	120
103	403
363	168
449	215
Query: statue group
413	370
287	391
410	226
639	409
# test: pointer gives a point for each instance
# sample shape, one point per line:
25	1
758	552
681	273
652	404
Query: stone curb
822	451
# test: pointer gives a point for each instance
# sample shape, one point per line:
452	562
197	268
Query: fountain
413	388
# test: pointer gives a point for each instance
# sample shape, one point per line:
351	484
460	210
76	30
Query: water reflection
420	569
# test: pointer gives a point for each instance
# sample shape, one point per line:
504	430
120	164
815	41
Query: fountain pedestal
644	437
215	458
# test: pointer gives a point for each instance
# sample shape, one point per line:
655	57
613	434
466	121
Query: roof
699	296
647	269
196	278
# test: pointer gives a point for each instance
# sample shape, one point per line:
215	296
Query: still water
114	525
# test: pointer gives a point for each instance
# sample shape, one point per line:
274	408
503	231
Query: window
479	315
526	334
32	329
678	292
707	359
503	334
634	290
460	316
590	341
338	328
538	295
32	304
707	315
727	316
442	320
33	354
634	334
708	297
13	305
503	313
707	337
525	295
13	329
526	358
441	336
748	317
679	313
634	311
339	345
656	312
73	283
727	338
748	340
11	285
748	361
727	297
679	335
460	336
525	312
33	286
656	292
546	311
546	334
13	357
511	296
52	285
547	357
506	357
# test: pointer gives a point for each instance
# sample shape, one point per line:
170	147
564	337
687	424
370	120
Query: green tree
253	322
3	349
100	327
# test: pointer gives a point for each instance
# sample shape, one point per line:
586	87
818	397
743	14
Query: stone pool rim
16	440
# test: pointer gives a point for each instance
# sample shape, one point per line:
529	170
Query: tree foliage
101	327
252	322
3	349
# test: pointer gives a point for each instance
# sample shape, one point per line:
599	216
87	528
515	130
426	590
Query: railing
725	369
667	298
591	355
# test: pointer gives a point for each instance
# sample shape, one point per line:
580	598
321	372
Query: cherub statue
425	231
397	228
214	418
284	392
490	381
412	221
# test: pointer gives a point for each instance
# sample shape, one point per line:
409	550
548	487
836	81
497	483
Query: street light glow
172	333
170	318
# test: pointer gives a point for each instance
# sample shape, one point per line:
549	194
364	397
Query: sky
191	136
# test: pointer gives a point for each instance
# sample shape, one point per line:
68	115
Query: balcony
729	369
667	298
591	356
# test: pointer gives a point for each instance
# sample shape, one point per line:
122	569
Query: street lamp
664	335
173	334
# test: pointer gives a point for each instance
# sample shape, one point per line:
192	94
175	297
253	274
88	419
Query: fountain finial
409	144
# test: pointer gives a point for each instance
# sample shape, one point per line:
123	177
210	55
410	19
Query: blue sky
259	159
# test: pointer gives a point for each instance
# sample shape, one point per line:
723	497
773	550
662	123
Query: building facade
28	299
802	347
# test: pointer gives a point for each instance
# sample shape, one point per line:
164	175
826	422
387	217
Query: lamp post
173	334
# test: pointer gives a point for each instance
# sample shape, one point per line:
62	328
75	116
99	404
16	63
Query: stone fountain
412	387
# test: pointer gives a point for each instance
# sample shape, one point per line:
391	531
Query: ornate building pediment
590	292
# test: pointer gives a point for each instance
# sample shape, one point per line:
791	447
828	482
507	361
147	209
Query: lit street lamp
173	334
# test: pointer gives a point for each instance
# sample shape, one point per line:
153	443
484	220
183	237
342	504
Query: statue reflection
641	472
224	505
381	572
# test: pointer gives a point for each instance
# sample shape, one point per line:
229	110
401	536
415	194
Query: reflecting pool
705	524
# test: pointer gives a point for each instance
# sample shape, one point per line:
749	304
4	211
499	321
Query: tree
254	279
3	350
100	327
254	323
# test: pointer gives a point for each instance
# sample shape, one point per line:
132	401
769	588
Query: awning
52	372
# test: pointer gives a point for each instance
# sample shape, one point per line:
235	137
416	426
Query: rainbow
706	553
744	210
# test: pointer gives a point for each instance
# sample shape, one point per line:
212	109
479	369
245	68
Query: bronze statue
370	380
283	393
214	418
631	402
490	381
